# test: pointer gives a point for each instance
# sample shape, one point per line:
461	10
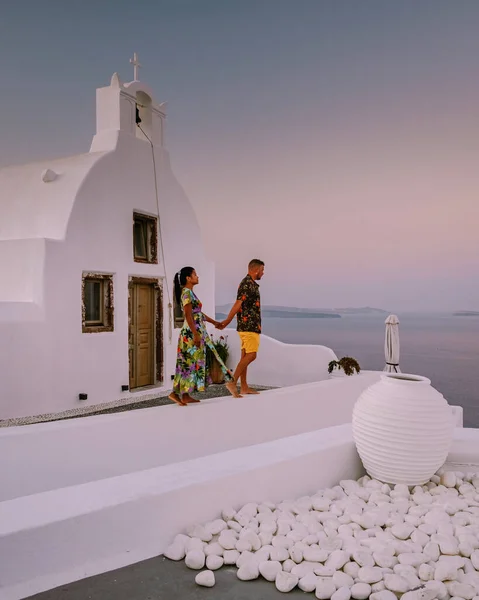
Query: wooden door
142	335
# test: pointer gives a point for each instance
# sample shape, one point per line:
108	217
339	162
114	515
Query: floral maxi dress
191	373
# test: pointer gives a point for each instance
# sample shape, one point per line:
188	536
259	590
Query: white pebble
445	572
303	569
214	562
194	544
234	526
412	558
288	565
325	588
296	554
370	574
205	578
227	540
269	569
385	561
280	554
343	593
214	548
243	545
383	595
449	479
475	559
175	552
285	582
216	526
248	572
431	550
265	537
337	559
363	558
463	590
396	583
245	557
228	514
426	572
195	559
308	583
198	531
230	556
324	571
315	554
342	580
439	589
449	546
360	591
403	531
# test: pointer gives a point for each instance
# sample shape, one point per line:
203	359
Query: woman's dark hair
180	281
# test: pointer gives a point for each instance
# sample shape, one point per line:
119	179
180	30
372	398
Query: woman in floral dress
191	374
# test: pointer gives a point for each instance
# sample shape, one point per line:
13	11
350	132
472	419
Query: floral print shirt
249	315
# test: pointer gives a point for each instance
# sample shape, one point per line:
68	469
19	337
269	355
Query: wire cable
160	235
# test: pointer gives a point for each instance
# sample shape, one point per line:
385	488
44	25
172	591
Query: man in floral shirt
247	309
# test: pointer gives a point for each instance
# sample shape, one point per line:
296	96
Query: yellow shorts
249	341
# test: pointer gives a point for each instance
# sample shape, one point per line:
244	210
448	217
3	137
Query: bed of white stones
360	539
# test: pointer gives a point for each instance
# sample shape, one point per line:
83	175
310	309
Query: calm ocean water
441	347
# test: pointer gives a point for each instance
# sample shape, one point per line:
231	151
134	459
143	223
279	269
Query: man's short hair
255	263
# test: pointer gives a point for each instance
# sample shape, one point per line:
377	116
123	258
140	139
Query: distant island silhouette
466	313
292	312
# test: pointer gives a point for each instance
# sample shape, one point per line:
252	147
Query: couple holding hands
191	373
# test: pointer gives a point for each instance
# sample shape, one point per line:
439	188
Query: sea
442	347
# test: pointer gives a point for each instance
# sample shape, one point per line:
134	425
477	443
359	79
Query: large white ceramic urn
402	428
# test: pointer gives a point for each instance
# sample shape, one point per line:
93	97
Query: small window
145	239
97	305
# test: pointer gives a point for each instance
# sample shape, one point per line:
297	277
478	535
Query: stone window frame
108	304
152	241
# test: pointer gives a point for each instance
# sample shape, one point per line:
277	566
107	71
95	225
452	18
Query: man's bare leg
233	389
244	387
241	371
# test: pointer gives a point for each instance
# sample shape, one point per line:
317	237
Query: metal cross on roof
136	65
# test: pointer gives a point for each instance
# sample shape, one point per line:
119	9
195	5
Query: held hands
220	324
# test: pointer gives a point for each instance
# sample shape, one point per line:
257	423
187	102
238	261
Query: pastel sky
338	140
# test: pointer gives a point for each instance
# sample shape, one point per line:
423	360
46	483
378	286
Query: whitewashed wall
46	360
278	364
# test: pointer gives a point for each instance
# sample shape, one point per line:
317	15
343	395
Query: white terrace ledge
64	453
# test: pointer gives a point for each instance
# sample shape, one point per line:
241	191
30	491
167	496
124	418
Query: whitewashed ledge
32	459
54	537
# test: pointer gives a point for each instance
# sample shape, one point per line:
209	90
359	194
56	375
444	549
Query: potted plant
212	365
344	366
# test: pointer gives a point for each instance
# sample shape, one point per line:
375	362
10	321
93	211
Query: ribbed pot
402	428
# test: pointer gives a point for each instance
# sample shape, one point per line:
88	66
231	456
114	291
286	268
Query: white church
89	246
